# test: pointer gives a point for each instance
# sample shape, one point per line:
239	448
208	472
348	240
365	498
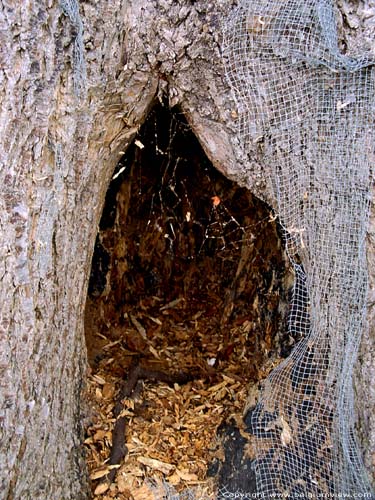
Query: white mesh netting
71	10
310	110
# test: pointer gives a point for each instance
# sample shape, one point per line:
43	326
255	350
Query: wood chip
156	464
286	433
174	423
154	352
100	380
101	434
140	329
172	304
99	473
174	479
108	391
186	475
178	311
101	488
155	320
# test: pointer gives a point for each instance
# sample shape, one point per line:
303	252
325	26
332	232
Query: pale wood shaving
171	437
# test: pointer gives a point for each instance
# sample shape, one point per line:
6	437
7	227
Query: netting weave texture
71	9
310	110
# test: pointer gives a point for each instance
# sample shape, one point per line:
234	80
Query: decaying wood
58	152
137	372
168	309
170	429
230	299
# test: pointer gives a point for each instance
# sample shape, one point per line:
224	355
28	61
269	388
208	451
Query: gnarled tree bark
77	81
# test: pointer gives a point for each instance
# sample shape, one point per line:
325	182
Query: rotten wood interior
185	315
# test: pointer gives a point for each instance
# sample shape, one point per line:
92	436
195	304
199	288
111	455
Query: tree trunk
77	82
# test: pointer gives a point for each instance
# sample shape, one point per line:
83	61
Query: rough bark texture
57	153
62	132
358	27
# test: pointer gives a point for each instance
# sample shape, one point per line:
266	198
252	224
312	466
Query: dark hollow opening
187	278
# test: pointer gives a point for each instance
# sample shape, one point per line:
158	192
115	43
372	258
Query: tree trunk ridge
78	79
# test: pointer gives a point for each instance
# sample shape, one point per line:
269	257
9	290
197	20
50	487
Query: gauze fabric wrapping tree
310	111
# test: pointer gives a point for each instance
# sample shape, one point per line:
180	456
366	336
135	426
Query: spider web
173	209
169	215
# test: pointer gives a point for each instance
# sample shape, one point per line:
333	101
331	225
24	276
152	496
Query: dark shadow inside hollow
187	274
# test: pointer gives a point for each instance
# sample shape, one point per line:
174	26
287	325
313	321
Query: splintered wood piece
136	373
152	430
186	475
156	464
140	329
172	304
101	488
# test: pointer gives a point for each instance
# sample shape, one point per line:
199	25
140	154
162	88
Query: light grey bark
57	152
358	27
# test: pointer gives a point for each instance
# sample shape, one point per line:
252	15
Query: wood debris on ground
171	429
186	278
